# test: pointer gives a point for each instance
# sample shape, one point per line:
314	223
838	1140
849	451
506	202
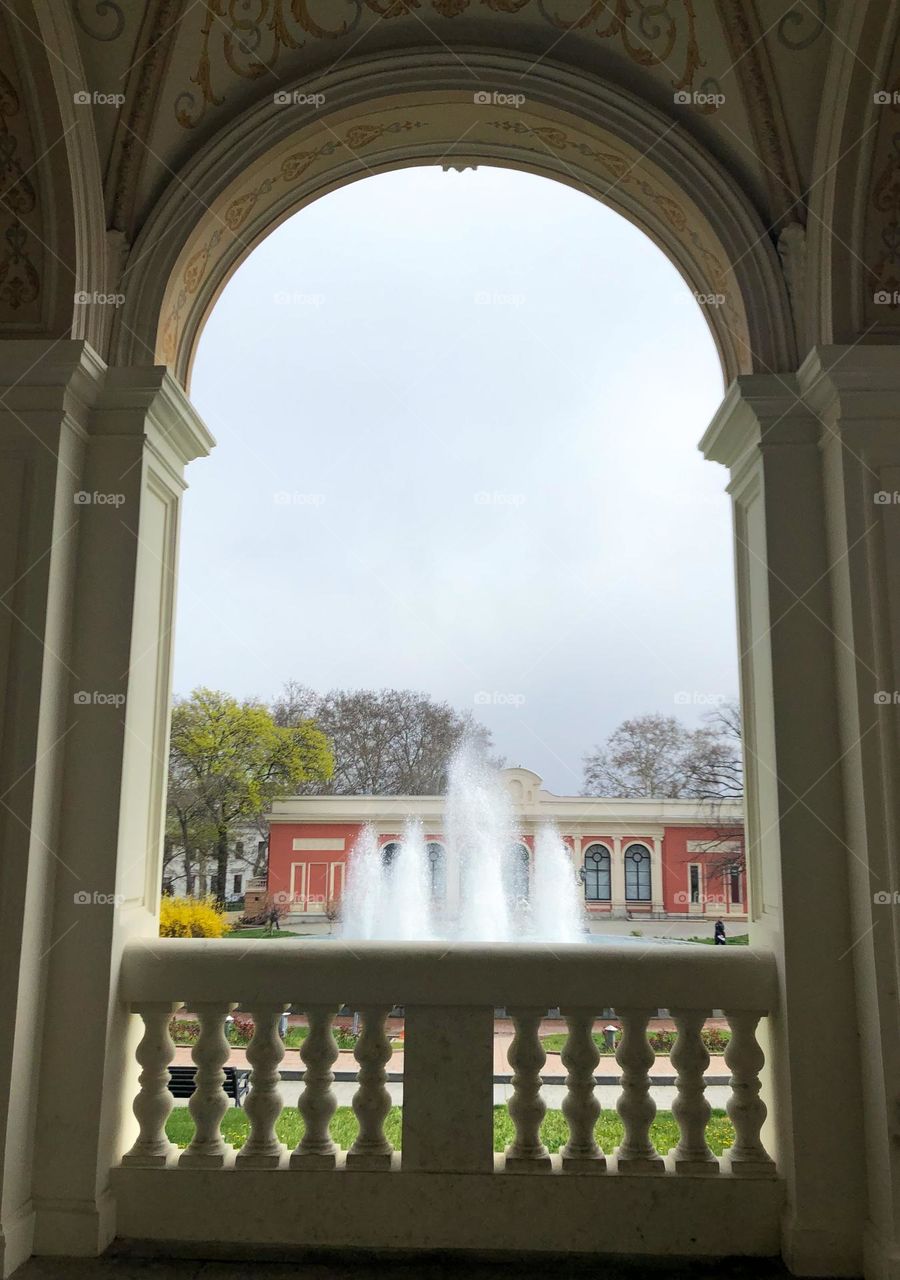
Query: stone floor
126	1266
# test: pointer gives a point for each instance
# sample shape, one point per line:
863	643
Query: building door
337	881
298	886
317	892
697	906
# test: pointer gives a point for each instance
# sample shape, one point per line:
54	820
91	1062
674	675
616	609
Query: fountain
486	898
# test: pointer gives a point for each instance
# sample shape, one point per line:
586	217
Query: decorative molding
236	212
105	11
651	35
20	283
146	79
623	172
750	60
617	167
792	250
801	26
166	304
881	280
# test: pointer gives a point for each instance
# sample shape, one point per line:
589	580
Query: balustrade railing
449	994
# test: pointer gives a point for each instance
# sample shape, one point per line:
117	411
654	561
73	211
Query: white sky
457	418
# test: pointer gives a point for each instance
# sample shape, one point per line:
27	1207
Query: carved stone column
91	477
814	460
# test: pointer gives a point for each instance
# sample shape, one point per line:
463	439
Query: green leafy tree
228	760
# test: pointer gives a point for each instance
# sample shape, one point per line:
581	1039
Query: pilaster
768	433
97	459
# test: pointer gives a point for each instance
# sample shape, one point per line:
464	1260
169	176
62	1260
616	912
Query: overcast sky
457	417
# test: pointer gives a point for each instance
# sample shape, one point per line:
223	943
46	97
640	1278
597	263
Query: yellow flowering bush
191	918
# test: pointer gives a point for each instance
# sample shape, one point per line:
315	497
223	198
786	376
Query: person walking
719	934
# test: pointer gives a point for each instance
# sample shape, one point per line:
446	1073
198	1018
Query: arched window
516	872
389	852
597	884
637	873
437	874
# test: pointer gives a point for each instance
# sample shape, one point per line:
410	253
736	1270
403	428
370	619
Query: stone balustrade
449	993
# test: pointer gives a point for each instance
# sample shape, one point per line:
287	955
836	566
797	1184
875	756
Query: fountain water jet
391	898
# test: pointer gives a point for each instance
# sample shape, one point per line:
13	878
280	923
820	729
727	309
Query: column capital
758	411
150	395
44	384
856	393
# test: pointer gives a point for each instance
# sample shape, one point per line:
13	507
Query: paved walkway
608	1070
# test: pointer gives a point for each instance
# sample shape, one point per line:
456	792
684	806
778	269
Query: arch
418	108
53	251
389	851
851	282
598	872
437	869
638	872
517	871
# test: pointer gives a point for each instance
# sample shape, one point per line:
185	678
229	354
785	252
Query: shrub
184	1031
239	1031
191	918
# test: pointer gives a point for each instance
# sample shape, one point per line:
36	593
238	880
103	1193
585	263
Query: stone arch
419	108
854	222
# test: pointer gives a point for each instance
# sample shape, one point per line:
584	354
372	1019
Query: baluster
153	1103
317	1103
690	1108
581	1106
526	1153
747	1158
209	1102
636	1154
263	1150
371	1102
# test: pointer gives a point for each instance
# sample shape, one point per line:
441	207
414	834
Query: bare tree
384	741
644	756
657	755
714	763
715	769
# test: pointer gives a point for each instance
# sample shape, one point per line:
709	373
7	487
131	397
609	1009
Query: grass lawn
554	1131
739	940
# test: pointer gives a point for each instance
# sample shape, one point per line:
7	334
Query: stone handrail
449	974
449	992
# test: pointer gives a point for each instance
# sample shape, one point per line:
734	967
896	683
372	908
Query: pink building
635	858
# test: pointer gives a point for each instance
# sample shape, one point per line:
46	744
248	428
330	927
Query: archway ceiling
187	69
